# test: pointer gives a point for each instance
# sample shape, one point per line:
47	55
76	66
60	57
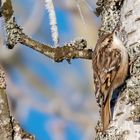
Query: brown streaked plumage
110	68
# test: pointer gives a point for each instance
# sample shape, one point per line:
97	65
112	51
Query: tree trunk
125	16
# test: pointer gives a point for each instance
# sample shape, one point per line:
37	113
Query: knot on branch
70	51
62	53
79	44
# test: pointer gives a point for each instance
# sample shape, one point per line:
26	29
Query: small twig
53	22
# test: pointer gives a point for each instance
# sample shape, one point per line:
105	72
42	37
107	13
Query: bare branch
58	54
67	52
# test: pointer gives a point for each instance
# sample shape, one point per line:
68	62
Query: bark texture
124	15
5	121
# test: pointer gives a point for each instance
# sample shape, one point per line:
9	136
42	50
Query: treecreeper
110	68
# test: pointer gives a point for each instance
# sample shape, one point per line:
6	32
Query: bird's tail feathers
106	114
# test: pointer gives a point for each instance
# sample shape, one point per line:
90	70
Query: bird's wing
105	64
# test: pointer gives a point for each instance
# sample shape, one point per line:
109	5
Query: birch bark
124	14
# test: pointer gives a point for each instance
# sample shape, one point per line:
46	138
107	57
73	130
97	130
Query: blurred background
53	101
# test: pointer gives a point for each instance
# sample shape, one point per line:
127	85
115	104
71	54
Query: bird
110	69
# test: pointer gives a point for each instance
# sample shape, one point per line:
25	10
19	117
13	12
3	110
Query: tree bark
125	16
5	119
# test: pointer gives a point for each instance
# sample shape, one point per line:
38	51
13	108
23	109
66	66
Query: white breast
117	43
